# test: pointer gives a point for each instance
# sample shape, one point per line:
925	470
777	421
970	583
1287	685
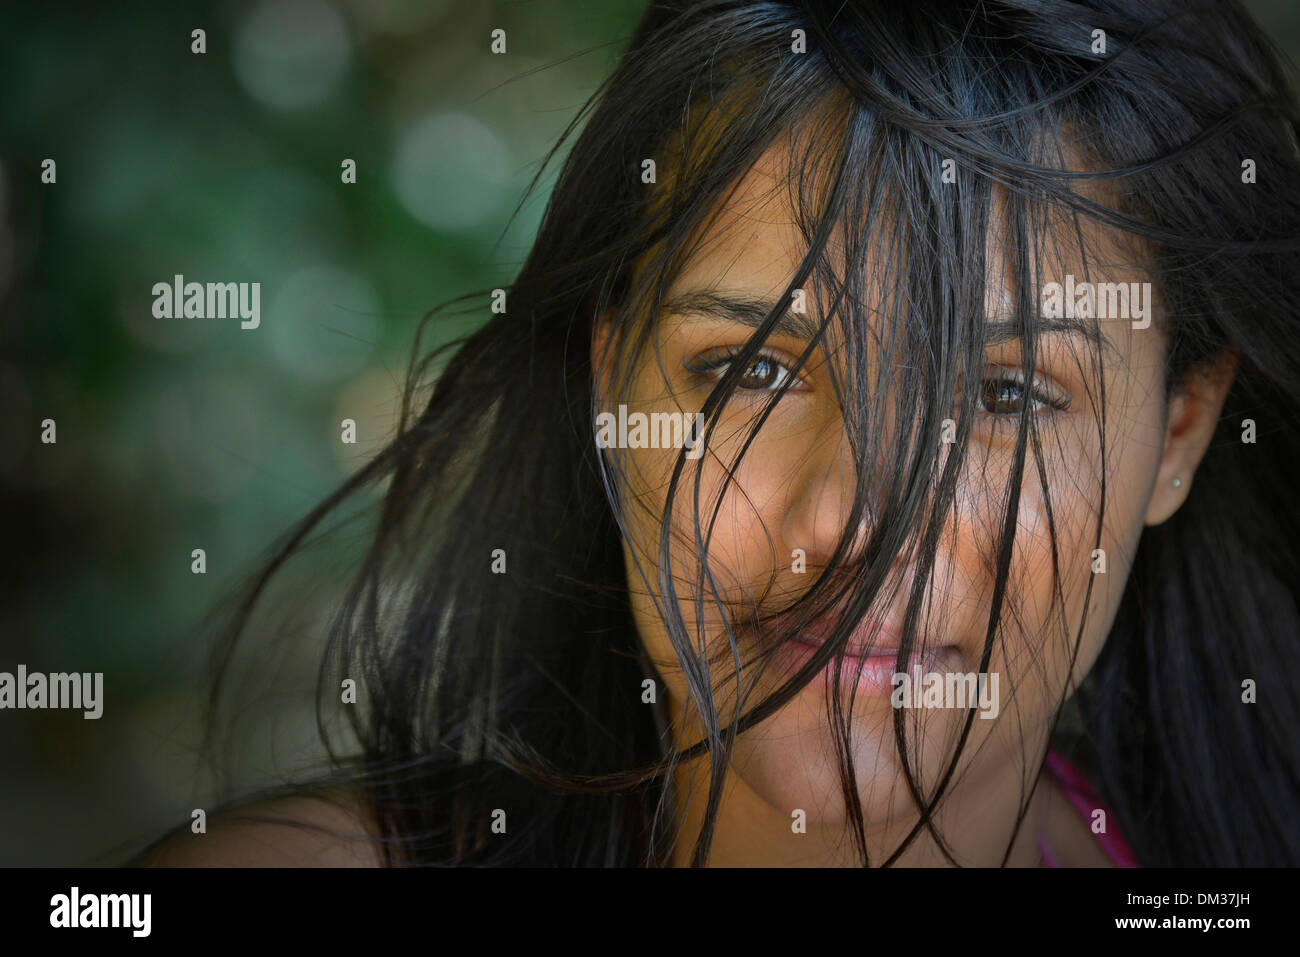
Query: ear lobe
1173	478
1194	412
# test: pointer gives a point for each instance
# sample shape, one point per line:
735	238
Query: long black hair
908	126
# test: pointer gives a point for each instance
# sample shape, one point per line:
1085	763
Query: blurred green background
175	435
180	434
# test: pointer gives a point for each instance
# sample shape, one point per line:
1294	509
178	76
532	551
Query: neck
976	819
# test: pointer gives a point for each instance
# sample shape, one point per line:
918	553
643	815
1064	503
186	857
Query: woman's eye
1003	394
765	373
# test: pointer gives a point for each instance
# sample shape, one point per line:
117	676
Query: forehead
752	241
752	245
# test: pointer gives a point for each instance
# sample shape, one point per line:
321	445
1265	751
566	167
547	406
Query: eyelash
1045	399
715	362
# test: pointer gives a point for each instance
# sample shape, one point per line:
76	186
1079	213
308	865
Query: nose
819	510
819	505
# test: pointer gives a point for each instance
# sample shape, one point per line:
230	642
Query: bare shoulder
334	831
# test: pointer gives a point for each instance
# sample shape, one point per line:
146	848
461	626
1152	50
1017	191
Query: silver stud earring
1177	482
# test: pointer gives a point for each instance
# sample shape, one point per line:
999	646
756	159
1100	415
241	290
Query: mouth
870	655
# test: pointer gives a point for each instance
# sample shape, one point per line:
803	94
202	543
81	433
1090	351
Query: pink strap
1081	797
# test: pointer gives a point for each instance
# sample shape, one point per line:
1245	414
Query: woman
894	417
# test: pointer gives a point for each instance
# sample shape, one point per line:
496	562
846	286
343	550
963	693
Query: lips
870	639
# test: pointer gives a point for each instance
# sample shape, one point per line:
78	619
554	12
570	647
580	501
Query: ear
1193	414
604	348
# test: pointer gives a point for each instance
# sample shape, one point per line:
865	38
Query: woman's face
791	494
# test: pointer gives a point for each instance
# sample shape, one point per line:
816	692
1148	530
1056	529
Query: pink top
1080	794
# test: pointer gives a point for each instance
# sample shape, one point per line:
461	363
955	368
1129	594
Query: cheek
745	506
742	514
1060	565
746	544
738	519
1063	564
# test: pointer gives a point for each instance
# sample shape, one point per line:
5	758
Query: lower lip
866	674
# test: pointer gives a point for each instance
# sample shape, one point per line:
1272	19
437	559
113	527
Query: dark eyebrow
746	310
751	311
1001	331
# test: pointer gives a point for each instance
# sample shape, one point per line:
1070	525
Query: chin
789	761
